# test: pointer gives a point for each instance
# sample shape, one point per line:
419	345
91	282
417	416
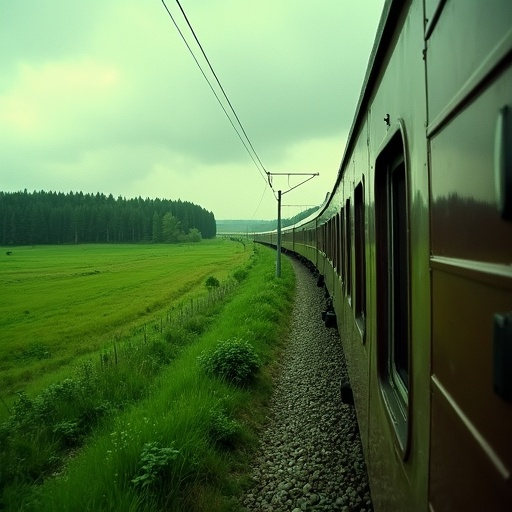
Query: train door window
360	260
398	292
336	242
333	243
393	339
328	229
342	246
348	250
326	238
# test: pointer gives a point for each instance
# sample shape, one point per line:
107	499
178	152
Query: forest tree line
33	218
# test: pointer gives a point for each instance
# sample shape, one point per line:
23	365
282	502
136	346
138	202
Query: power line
220	85
259	204
252	154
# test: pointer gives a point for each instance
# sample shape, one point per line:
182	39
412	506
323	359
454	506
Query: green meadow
61	303
174	423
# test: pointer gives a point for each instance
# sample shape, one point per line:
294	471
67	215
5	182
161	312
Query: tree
157	236
54	217
194	235
170	228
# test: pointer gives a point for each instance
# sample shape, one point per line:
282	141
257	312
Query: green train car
414	244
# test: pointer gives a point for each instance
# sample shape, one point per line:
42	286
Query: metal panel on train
471	424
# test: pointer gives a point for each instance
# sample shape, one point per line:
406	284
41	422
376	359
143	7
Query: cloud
50	102
104	96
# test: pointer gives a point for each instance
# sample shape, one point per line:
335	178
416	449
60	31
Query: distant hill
255	226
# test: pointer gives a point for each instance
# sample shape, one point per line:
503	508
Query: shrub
153	460
196	324
161	351
69	433
177	336
212	282
222	430
234	360
240	274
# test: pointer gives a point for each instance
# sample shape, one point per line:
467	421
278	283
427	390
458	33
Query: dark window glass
337	242
360	260
399	295
348	249
342	247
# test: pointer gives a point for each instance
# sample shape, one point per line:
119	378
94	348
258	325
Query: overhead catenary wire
247	142
259	204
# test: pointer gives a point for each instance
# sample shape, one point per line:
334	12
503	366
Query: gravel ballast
311	455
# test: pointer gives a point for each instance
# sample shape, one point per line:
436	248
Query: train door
470	141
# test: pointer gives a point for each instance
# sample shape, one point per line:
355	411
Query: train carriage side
287	239
469	45
399	388
438	415
305	243
326	245
415	246
382	301
437	422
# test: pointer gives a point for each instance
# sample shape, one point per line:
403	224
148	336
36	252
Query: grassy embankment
163	434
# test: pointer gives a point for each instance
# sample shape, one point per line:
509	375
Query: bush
240	274
161	352
212	282
177	336
222	430
234	360
69	433
196	324
153	461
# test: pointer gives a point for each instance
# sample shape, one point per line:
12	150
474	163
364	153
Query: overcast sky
104	96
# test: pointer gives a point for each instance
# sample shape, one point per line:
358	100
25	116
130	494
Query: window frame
342	248
360	258
392	225
348	250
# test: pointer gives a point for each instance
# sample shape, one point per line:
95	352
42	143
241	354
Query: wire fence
174	319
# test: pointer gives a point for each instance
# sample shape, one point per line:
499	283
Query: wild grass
59	303
178	440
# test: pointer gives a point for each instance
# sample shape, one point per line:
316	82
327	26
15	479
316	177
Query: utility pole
279	198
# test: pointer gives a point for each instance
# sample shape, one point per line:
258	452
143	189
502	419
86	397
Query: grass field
59	303
162	429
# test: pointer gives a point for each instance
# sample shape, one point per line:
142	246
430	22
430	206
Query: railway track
311	455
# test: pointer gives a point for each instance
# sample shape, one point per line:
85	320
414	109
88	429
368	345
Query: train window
333	238
327	241
348	250
333	241
399	285
399	275
328	229
342	245
393	339
336	242
360	260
